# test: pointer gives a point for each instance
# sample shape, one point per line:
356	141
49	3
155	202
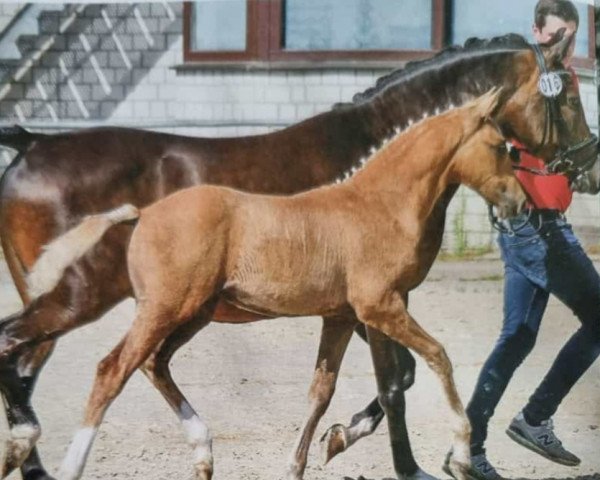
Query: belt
547	214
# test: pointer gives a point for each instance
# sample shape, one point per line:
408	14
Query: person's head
552	15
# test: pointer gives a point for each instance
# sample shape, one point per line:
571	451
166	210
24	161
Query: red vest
544	191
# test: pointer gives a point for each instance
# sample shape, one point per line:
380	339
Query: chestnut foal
358	246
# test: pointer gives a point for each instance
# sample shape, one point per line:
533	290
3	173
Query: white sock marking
72	466
198	434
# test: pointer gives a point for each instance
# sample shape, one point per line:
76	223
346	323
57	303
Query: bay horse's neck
393	105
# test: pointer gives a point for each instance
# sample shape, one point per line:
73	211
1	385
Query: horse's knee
391	398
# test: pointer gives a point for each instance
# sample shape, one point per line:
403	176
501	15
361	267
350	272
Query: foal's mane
450	56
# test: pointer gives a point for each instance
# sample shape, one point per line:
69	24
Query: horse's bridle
572	161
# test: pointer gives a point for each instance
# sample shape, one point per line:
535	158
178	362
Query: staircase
79	61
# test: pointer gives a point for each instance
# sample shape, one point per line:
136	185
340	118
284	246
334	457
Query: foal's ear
488	103
558	47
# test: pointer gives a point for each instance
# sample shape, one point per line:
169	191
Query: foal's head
482	161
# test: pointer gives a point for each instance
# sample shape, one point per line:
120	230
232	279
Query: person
541	256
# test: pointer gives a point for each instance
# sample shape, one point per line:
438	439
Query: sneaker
480	468
541	440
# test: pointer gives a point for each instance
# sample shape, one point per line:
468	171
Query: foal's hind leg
156	368
335	335
338	438
149	329
387	313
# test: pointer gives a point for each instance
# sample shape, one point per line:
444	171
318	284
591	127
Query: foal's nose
514	199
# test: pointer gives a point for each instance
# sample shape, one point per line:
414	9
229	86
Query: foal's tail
71	246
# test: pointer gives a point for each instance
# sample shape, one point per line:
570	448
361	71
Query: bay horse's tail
17	137
71	246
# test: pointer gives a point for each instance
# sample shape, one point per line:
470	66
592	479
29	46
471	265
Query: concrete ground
250	383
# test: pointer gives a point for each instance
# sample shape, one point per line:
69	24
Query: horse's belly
285	298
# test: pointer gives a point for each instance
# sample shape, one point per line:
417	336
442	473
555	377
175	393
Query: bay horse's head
482	161
545	112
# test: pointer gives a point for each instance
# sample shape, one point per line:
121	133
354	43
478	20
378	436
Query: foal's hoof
204	471
460	471
18	446
333	441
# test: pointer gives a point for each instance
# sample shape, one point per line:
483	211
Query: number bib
550	85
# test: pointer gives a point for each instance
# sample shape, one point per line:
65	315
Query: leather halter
571	160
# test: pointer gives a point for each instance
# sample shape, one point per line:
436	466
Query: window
311	30
488	18
354	30
356	25
219	25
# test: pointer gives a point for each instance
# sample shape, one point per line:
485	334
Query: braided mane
473	47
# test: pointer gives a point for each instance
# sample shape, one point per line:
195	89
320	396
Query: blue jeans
543	257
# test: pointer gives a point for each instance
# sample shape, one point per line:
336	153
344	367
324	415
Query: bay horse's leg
26	341
391	397
156	368
152	325
338	437
335	336
386	312
17	383
20	381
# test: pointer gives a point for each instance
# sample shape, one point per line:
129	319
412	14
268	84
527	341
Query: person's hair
563	9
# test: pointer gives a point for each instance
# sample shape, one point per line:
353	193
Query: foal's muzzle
511	201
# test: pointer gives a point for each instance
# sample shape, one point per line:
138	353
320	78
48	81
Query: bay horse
358	246
57	179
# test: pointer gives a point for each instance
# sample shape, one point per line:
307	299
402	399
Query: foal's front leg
335	336
386	312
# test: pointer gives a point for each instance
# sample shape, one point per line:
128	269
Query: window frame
264	41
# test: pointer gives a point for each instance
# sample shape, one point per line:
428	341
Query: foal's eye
502	149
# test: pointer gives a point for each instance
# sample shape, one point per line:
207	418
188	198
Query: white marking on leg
363	428
198	434
461	449
26	431
72	466
22	439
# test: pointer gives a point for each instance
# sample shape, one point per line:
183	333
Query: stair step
28	43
